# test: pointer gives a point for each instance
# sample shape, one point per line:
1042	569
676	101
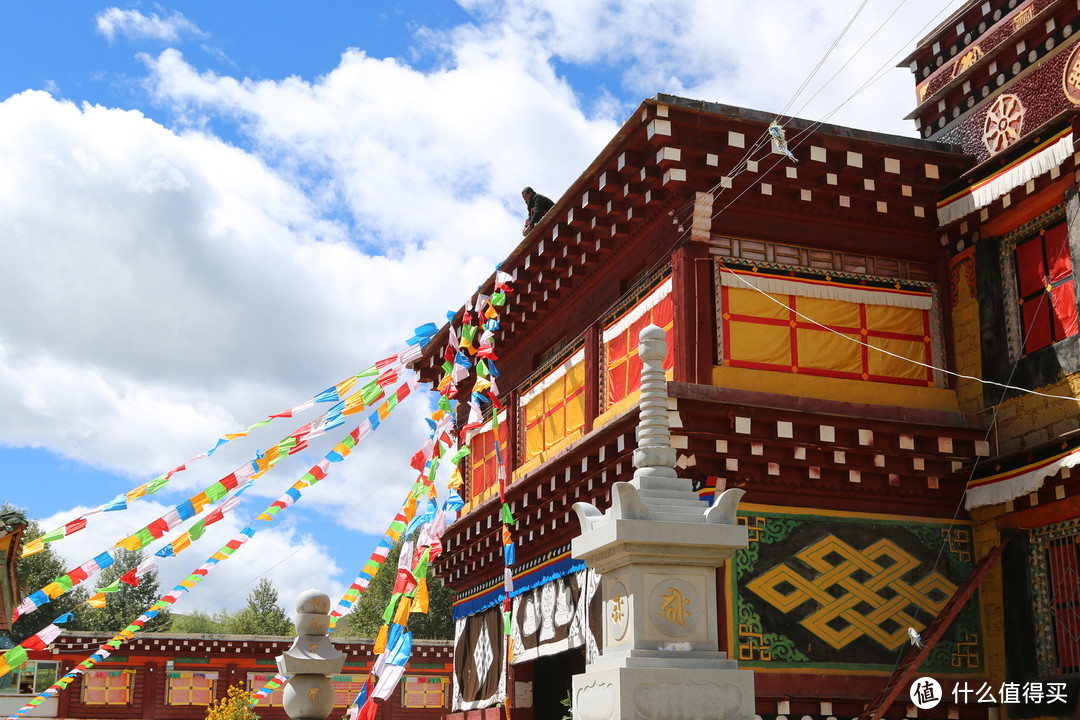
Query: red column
149	679
592	375
692	296
63	707
512	456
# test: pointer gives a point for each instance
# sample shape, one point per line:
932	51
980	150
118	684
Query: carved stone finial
309	694
654	456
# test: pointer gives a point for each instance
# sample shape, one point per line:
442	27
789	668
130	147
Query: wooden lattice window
1055	563
554	407
346	688
191	688
483	459
622	366
1047	296
107	687
423	692
826	328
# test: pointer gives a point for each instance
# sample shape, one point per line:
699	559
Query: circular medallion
1070	79
618	612
675	607
1003	123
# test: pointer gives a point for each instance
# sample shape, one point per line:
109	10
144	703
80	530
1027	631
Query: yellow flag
200	501
181	543
97	601
401	615
53	590
136	493
380	640
131	542
354	404
420	603
33	547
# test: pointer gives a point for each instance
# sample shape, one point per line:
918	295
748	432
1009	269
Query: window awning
1011	484
1040	159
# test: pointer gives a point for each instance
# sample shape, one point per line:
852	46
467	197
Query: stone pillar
309	694
658	550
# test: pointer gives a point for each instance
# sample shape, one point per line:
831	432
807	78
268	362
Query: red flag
369	711
33	643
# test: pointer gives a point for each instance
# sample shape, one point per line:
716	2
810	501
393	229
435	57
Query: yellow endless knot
856	592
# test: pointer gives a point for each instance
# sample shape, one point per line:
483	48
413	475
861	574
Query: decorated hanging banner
336	394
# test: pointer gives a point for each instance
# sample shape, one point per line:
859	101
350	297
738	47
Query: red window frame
1046	288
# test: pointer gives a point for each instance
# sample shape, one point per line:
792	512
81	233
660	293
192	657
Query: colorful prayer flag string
335	394
340	452
272	684
385	372
468	351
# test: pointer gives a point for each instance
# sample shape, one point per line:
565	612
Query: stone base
663	693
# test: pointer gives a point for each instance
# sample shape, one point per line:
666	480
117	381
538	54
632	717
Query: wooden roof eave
949	22
994	162
990	56
513	261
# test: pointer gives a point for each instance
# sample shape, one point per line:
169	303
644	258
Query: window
107	687
1047	298
423	692
346	688
621	337
31	679
191	688
554	407
1055	563
484	461
828	326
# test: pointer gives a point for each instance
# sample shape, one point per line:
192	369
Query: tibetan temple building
167	676
878	343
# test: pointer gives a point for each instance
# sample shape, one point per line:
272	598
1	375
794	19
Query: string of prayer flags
272	684
185	585
140	539
421	461
335	393
394	642
198	502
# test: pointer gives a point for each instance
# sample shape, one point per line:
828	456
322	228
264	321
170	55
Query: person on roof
537	204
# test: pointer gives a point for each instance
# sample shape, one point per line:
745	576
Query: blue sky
212	212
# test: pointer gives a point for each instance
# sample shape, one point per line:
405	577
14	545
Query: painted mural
839	591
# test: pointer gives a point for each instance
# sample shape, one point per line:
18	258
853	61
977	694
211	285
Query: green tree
35	572
128	602
262	615
236	705
201	623
367	615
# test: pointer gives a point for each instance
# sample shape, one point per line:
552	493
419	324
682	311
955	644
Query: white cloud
292	559
750	57
132	24
174	288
